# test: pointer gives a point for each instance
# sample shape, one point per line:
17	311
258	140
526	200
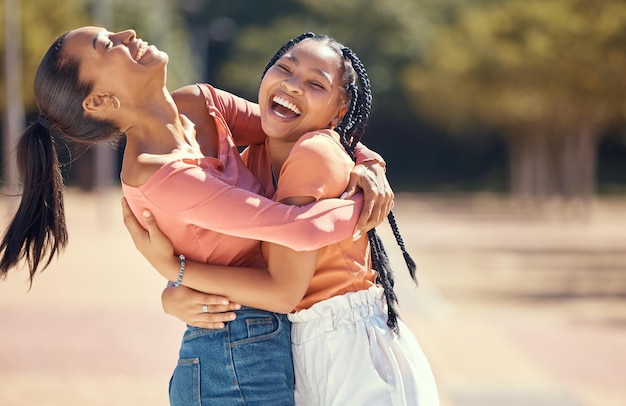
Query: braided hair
351	128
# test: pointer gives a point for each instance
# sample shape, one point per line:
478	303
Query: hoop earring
116	102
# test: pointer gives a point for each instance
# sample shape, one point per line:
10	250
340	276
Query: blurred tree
157	21
161	23
42	22
388	35
549	75
383	33
214	25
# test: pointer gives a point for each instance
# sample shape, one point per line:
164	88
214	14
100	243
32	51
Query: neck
158	135
155	125
279	151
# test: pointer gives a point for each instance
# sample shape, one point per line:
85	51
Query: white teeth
140	51
287	104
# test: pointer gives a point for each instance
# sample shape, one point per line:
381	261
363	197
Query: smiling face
302	91
117	64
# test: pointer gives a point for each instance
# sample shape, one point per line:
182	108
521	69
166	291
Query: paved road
513	308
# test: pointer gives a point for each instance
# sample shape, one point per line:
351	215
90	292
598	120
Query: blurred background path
513	307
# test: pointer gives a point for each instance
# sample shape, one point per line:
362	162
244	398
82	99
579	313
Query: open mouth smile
141	50
284	108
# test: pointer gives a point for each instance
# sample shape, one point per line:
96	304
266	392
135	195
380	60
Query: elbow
305	246
284	306
282	309
284	303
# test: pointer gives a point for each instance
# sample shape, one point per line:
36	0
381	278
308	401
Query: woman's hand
187	305
378	196
151	243
181	302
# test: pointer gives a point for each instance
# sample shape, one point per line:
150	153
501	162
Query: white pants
345	354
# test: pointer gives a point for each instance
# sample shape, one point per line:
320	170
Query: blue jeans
248	362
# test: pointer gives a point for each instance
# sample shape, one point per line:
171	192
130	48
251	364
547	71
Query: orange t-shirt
318	166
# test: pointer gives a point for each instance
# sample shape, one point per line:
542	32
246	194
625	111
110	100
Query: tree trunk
546	166
578	165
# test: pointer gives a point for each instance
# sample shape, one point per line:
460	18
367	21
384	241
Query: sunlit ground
514	307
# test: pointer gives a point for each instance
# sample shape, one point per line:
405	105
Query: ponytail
38	230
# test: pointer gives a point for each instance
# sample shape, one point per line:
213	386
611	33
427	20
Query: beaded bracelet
182	270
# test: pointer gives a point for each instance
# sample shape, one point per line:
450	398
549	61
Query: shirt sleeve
317	166
364	154
242	116
223	208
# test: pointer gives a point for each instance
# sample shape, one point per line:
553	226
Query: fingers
135	228
148	218
364	219
151	225
206	320
215	318
351	189
378	196
130	221
371	202
206	325
188	305
388	201
219	303
214	304
380	209
194	299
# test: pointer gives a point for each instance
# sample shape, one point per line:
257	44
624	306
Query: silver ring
205	308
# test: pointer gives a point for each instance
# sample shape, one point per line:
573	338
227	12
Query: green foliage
385	34
389	36
42	22
155	21
471	66
160	23
505	64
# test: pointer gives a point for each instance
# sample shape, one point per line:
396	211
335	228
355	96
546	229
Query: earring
116	102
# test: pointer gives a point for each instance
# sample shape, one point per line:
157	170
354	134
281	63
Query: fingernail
223	301
356	235
343	195
146	213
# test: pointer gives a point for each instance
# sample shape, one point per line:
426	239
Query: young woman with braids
349	346
94	86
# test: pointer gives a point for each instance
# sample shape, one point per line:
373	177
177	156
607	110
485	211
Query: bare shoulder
191	103
138	173
190	100
187	91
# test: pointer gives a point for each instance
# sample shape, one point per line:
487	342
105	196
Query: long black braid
351	129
